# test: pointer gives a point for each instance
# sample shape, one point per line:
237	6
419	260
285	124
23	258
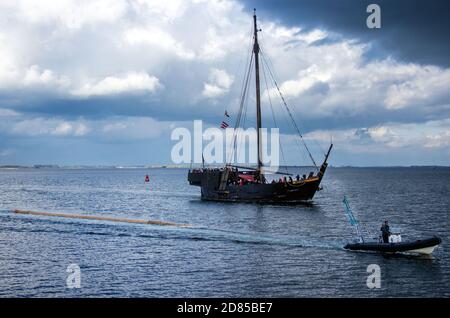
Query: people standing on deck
263	179
385	231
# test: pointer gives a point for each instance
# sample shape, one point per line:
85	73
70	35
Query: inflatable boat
395	244
425	246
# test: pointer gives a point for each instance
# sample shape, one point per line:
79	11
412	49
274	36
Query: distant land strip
196	166
100	218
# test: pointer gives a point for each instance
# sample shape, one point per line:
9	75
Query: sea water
230	250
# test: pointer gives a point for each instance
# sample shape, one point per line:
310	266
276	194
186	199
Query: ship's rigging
254	66
248	184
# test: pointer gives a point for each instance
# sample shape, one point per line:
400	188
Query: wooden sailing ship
245	184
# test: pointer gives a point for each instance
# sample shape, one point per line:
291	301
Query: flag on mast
224	124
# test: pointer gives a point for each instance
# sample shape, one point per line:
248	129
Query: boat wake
154	231
254	238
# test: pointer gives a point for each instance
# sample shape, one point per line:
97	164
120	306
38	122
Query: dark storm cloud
98	108
411	30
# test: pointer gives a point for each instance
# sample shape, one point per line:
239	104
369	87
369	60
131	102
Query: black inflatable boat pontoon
426	246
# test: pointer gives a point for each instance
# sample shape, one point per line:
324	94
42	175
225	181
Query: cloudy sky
106	81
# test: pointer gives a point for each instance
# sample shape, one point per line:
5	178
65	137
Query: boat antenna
258	90
352	219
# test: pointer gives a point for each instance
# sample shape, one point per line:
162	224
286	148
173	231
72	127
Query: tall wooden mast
258	91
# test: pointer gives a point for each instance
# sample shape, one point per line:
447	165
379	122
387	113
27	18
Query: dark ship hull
254	192
227	184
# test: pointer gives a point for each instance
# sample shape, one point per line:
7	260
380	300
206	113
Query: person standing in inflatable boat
385	231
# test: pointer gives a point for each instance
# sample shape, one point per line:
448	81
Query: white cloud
423	85
72	14
212	91
131	128
34	76
8	69
438	140
128	83
118	128
385	138
14	75
306	79
295	34
168	11
67	128
220	43
5	112
155	37
45	127
219	83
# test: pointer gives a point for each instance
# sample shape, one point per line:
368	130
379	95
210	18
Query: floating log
100	218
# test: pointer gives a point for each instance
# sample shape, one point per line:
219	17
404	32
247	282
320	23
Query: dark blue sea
230	250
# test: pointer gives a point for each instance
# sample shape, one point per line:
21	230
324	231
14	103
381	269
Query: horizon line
186	166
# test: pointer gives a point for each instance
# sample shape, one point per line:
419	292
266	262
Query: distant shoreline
79	167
